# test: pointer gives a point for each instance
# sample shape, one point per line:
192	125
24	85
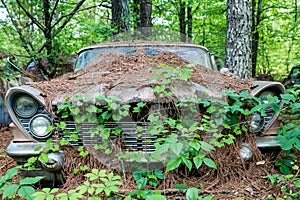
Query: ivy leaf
173	164
156	197
8	190
188	163
206	146
30	180
192	194
210	163
11	173
43	157
27	192
141	182
94	198
198	161
180	186
176	148
158	173
195	144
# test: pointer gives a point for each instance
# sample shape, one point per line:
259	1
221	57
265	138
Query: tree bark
238	38
189	23
182	20
145	17
120	15
256	19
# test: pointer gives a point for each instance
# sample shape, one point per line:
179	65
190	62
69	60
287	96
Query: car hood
131	78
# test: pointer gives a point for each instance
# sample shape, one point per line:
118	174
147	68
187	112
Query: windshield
194	54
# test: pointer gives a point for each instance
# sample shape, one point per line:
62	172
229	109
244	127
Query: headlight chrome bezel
25	99
258	122
34	130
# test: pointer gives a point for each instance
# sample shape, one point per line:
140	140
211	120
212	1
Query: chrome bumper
50	170
267	142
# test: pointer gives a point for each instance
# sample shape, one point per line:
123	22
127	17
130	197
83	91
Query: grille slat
132	140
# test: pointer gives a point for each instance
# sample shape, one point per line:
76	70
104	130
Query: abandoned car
145	76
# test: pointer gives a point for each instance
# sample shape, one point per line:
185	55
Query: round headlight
39	125
257	122
25	106
264	96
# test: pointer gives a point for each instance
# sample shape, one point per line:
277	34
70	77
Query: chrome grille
130	139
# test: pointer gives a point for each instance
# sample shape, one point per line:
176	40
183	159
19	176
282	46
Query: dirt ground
246	180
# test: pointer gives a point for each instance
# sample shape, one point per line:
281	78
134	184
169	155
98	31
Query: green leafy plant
192	194
100	183
288	184
22	188
142	178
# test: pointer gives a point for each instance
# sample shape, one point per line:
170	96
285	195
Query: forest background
36	29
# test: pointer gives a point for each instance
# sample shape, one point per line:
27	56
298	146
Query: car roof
141	44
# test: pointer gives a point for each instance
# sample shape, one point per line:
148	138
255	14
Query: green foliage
192	194
142	178
22	188
288	139
288	135
289	185
100	183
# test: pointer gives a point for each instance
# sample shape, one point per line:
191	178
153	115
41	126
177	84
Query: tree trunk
48	37
120	15
189	23
182	21
255	34
145	17
238	38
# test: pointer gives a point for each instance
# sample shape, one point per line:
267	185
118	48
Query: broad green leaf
141	183
94	198
177	148
206	146
192	194
27	192
30	180
159	174
9	190
180	186
62	196
187	163
195	144
210	163
43	157
156	197
198	161
11	173
173	164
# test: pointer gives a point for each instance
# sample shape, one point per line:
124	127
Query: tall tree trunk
238	38
120	15
182	20
256	19
48	36
189	23
145	17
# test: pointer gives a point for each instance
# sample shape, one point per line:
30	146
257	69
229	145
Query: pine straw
234	176
119	71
